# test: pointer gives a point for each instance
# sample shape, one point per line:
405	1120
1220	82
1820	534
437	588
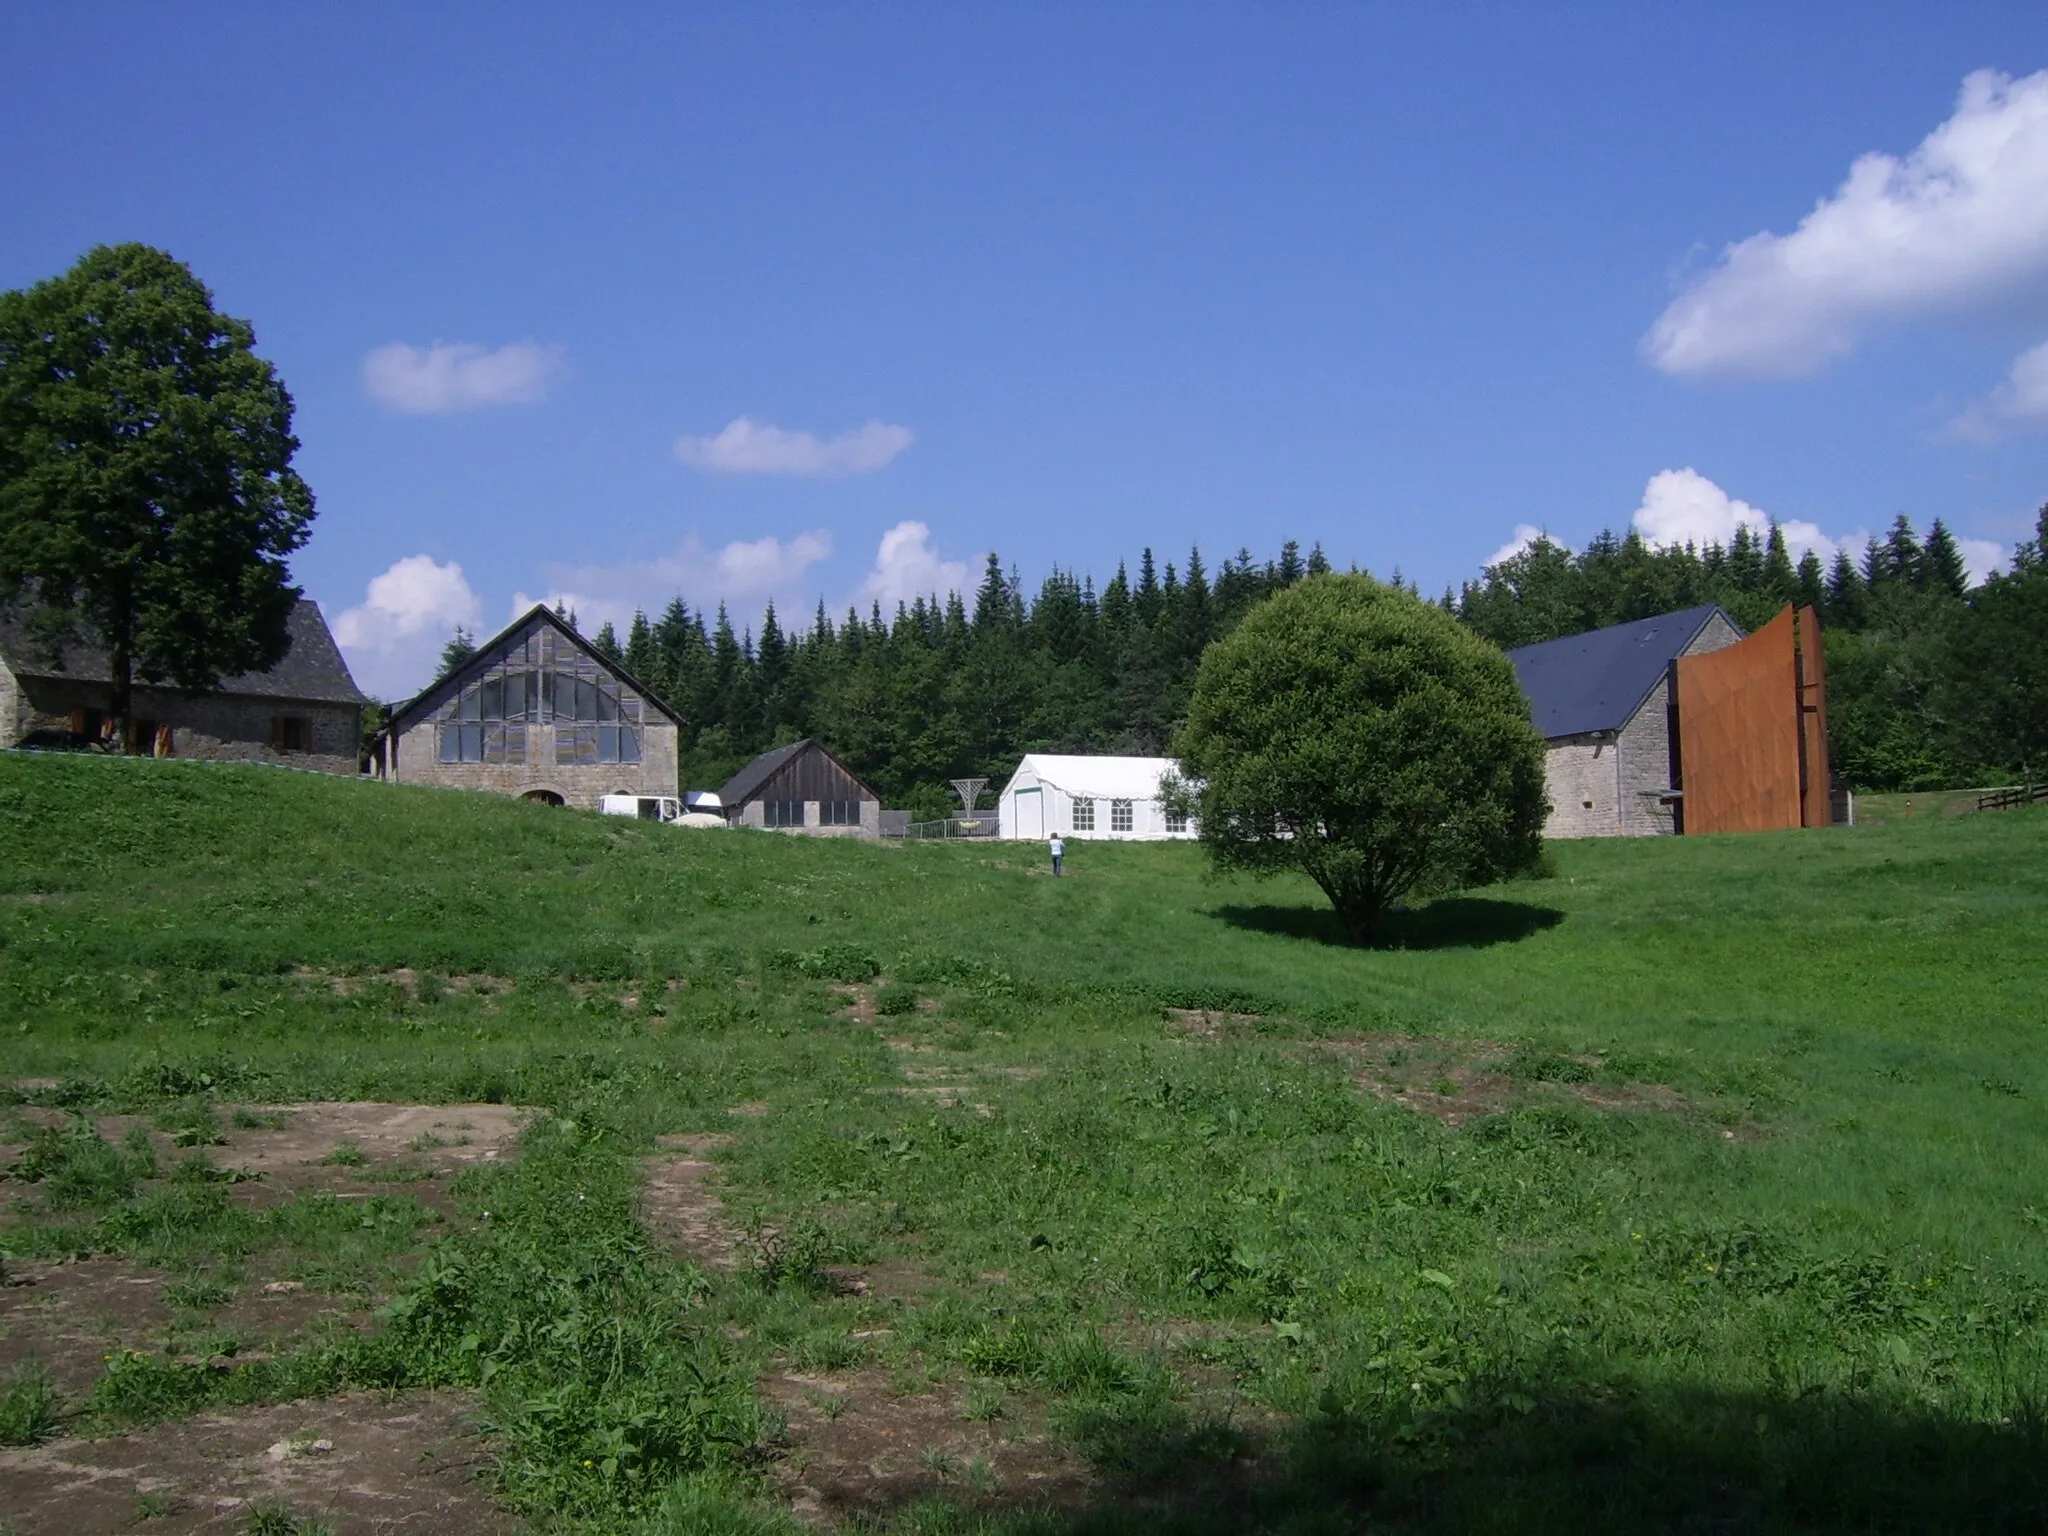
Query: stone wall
1627	777
416	760
1581	778
752	815
218	726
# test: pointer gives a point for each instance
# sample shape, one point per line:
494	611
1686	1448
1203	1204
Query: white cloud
1983	558
1682	506
1525	535
458	375
393	638
2021	401
749	447
1960	223
906	567
743	572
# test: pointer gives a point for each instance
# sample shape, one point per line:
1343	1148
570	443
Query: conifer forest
1932	683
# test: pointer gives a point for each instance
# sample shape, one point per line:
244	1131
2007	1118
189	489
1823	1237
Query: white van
646	807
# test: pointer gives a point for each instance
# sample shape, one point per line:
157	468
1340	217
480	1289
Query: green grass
1813	1297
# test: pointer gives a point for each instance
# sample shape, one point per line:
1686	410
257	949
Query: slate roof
1598	680
312	670
759	772
403	714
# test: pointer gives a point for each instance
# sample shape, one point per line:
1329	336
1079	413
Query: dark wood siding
812	775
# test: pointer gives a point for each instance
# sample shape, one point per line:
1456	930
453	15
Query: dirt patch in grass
406	979
859	1002
1211	1023
679	1201
1453	1081
443	1137
856	1447
359	1463
71	1316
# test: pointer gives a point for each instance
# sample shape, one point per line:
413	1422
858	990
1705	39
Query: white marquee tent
1088	797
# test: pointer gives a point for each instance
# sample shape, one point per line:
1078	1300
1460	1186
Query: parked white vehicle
646	807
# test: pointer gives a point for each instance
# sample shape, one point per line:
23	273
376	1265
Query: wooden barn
802	788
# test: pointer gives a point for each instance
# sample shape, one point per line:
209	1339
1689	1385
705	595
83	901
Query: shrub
1358	734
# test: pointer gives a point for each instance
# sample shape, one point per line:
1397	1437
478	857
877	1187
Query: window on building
1084	815
291	733
782	813
1176	821
839	813
1120	817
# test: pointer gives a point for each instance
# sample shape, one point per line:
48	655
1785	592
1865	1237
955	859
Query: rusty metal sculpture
1752	731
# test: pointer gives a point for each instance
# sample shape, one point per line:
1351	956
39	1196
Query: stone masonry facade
217	726
537	714
753	814
1618	784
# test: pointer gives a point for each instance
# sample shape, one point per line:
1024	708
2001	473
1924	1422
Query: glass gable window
1084	815
1120	817
541	678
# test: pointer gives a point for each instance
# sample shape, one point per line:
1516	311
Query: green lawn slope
1703	1180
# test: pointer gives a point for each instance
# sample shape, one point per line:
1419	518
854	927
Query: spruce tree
1941	563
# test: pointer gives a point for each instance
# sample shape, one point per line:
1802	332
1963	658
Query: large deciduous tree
1354	732
147	498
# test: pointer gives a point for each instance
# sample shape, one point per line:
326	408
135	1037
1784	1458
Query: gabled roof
312	671
1100	778
1597	681
747	783
758	772
431	695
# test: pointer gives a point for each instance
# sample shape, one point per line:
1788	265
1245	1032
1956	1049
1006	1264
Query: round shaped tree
1354	732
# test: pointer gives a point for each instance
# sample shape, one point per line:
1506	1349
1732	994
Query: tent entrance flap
1031	812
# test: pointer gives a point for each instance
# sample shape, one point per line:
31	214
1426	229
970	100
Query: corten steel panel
1738	733
1813	719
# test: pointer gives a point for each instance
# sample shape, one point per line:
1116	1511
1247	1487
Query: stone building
539	714
802	788
306	711
1605	704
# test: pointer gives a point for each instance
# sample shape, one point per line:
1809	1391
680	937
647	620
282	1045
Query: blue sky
828	301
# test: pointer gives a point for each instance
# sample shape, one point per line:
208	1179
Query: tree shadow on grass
1452	922
1684	1460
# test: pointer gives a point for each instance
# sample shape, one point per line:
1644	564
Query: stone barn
802	788
1608	711
305	712
540	714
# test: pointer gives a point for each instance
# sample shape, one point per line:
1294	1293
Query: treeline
952	687
1930	683
1928	678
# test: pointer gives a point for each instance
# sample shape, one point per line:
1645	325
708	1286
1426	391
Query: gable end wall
1627	776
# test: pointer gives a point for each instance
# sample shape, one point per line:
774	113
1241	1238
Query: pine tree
1291	569
1848	596
456	653
607	642
639	653
1810	587
1780	581
1318	562
1941	563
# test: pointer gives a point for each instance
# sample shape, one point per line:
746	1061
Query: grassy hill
1703	1181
